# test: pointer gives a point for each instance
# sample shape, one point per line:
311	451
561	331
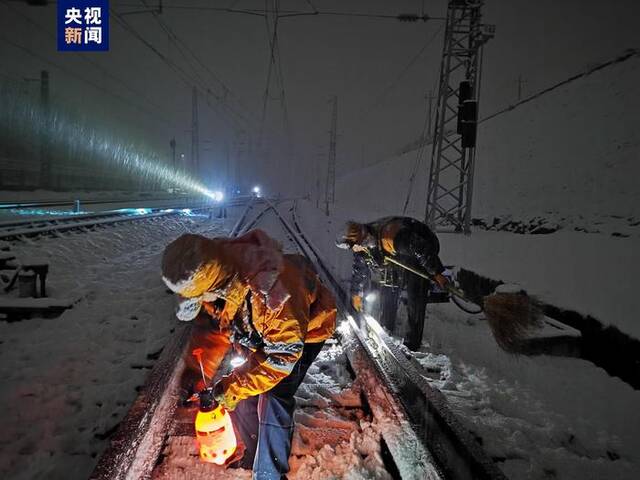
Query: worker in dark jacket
410	242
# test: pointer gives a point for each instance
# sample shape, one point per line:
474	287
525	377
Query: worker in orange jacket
273	307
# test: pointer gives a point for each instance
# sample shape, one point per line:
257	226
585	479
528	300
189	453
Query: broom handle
450	288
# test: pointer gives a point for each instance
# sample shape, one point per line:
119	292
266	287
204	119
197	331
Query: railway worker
407	240
273	307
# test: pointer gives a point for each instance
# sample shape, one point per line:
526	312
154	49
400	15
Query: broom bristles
511	317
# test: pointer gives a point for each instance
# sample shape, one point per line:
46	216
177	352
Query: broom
511	315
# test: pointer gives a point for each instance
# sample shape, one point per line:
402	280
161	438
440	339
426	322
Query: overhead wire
394	83
138	94
188	79
188	52
72	74
417	161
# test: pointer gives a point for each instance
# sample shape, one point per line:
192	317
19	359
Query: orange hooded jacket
289	306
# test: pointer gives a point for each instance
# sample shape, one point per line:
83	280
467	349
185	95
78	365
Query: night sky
380	69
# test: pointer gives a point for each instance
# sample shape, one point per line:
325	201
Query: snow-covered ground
552	163
68	381
334	438
539	417
108	201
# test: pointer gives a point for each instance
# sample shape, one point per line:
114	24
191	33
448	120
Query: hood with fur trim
193	265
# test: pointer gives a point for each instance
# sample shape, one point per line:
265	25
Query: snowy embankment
559	162
569	160
538	417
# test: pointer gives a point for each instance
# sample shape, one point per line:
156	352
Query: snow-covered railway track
4	205
419	435
11	230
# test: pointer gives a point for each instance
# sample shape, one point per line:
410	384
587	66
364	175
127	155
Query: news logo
83	25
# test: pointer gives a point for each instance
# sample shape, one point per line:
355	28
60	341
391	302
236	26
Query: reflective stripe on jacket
308	315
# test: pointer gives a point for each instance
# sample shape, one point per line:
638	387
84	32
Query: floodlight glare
237	361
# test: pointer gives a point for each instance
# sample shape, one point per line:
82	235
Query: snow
45	302
551	162
68	381
591	274
539	417
333	438
550	165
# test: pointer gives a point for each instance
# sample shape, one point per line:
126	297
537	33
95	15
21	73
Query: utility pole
450	188
45	158
172	144
330	187
195	142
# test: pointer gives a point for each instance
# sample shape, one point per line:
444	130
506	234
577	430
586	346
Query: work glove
441	280
356	301
219	398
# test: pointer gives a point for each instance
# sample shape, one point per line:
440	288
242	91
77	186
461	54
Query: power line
102	70
290	13
186	51
71	73
389	88
172	66
418	160
188	79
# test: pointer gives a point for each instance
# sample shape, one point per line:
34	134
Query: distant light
256	190
370	297
218	196
186	211
237	361
143	211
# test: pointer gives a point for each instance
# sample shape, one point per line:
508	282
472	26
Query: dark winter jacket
404	238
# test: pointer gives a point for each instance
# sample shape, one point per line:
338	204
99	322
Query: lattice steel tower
450	187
